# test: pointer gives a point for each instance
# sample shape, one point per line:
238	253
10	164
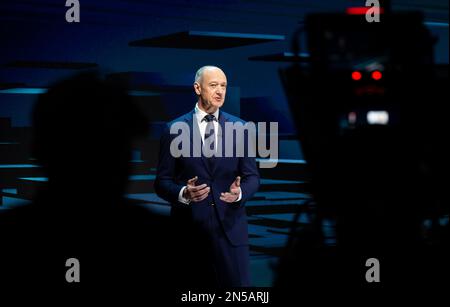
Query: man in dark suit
208	192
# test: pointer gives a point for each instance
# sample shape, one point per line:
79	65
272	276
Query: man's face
211	89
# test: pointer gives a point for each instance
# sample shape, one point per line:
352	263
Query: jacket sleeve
249	178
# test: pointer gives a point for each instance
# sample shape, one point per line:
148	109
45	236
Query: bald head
202	70
210	86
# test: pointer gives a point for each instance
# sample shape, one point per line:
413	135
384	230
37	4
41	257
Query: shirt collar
200	114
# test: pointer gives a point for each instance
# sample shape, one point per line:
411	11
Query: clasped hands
198	193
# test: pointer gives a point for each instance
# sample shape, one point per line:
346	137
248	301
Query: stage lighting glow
377	117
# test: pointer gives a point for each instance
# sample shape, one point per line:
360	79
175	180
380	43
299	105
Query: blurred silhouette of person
83	129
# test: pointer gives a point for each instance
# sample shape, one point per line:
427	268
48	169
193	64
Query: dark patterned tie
210	133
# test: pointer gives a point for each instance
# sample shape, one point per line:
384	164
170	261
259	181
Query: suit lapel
221	135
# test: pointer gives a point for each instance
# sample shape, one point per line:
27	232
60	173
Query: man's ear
197	88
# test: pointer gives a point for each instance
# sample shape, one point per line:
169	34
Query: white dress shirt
199	116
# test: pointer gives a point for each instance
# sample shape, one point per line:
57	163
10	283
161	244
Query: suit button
212	204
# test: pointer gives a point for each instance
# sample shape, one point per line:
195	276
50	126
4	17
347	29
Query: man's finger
237	181
235	191
201	192
228	197
192	181
203	197
197	187
200	197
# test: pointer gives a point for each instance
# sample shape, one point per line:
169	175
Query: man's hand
233	194
195	193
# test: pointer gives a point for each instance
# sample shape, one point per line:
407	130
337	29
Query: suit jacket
173	173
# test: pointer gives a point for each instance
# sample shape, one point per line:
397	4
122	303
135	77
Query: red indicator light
363	10
356	75
376	75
